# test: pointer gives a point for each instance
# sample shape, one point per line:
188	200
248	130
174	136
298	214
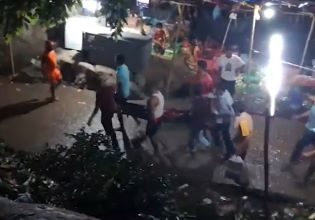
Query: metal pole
252	37
266	161
12	59
308	41
226	33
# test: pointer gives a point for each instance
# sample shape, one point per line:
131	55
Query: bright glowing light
303	4
269	13
273	80
268	4
91	5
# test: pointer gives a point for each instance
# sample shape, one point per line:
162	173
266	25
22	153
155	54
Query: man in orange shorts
50	69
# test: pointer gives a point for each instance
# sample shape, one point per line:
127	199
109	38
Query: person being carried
230	65
159	39
50	68
105	102
244	129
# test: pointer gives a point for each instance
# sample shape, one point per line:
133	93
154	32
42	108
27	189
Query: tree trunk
23	211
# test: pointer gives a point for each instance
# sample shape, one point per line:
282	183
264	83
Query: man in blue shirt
123	92
308	136
123	78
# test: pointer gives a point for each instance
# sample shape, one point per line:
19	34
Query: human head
240	106
120	59
202	65
159	25
49	45
220	89
228	52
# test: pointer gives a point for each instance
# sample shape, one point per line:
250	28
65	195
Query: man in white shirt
224	112
230	65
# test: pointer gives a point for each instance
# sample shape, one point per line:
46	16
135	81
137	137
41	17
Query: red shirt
206	84
105	99
159	36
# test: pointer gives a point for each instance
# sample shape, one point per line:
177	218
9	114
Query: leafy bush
92	178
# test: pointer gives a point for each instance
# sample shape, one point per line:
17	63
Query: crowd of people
213	110
212	104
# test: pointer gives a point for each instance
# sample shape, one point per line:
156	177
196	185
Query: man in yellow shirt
244	130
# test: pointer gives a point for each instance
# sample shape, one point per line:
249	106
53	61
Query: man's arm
303	115
152	104
240	64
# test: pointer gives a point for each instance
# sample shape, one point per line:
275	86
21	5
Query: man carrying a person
106	103
230	65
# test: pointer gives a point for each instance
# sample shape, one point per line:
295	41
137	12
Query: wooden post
308	41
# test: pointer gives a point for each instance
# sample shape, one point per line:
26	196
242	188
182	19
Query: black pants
229	86
151	131
223	131
121	102
108	127
307	139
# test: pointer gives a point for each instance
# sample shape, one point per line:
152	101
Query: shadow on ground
21	108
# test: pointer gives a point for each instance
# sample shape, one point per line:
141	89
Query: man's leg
216	135
151	131
52	90
310	171
230	150
194	133
108	127
121	102
307	139
231	87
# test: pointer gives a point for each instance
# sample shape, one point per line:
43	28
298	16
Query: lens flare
269	13
273	71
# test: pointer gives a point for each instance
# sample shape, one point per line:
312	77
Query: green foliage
92	178
16	15
116	14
